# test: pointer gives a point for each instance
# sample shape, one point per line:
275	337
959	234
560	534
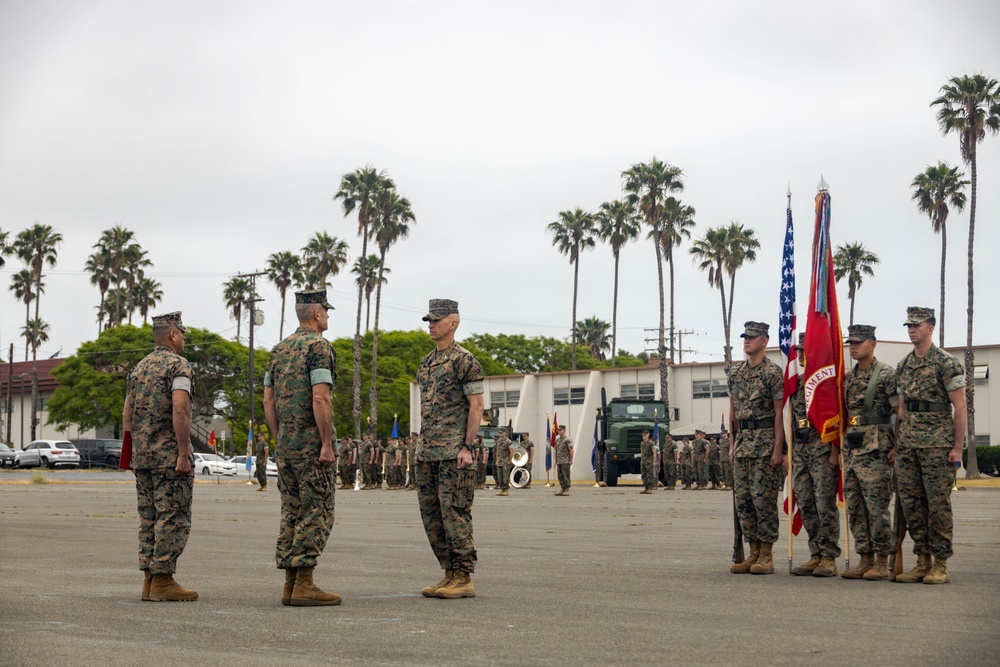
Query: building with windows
698	393
15	404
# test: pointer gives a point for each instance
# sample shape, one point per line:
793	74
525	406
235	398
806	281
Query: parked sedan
211	464
50	453
241	465
8	457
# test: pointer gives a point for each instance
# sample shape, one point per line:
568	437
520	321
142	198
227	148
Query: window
644	391
982	440
510	399
43	404
709	389
571	396
981	375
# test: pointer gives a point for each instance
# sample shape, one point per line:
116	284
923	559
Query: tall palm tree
371	268
617	224
391	223
571	233
37	246
236	291
934	190
116	316
593	332
4	247
136	261
743	247
853	261
25	289
146	293
648	185
711	252
282	269
970	106
116	242
98	265
678	220
323	256
358	191
35	333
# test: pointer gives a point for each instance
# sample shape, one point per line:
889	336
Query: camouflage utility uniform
714	463
260	458
647	467
924	475
300	361
501	462
668	456
445	492
563	447
529	448
164	497
754	391
685	464
814	481
698	448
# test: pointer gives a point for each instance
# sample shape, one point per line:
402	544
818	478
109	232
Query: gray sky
218	132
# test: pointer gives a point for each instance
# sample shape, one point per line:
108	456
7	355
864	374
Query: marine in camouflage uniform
501	462
299	409
727	465
699	448
815	478
649	462
364	460
869	444
157	419
564	462
481	459
668	456
529	447
260	459
685	463
755	393
398	465
930	445
344	462
714	463
411	457
451	403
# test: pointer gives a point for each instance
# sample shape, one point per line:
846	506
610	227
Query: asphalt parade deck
604	576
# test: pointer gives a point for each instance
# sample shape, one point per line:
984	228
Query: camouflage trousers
815	484
261	472
757	486
347	474
715	473
480	474
670	473
701	472
727	470
648	472
307	502
445	496
924	479
501	475
868	492
686	474
164	501
563	474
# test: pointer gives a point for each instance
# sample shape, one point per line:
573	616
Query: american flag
788	343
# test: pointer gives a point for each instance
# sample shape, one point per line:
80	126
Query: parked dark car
8	457
99	452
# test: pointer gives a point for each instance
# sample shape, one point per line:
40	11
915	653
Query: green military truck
621	423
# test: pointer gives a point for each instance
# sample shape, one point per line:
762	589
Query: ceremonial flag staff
787	343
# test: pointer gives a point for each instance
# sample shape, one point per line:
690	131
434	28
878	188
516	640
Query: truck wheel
611	472
112	462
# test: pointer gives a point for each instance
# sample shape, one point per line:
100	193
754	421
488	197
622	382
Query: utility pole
680	343
251	300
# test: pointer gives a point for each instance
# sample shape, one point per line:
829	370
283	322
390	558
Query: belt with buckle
756	423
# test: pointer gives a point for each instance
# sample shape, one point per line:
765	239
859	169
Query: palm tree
282	269
135	261
743	247
648	185
116	243
371	268
146	293
933	190
25	289
358	190
35	333
99	267
4	247
617	224
853	261
593	332
969	106
711	253
116	296
236	291
37	246
678	220
573	232
323	256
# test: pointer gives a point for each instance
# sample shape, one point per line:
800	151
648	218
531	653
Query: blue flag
656	427
548	449
395	427
593	452
249	462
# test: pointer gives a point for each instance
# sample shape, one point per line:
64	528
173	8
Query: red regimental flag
211	438
555	429
824	348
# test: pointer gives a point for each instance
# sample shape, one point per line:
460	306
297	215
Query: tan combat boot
286	592
460	586
765	563
163	588
431	591
503	493
862	568
938	573
827	567
808	567
880	570
147	579
743	567
305	593
919	571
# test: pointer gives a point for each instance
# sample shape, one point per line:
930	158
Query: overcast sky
218	132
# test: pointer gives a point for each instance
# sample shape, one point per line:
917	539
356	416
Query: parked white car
241	465
210	464
50	453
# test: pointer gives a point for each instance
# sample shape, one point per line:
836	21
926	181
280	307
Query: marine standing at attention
451	406
298	406
157	420
564	462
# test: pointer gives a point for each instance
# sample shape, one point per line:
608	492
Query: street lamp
21	384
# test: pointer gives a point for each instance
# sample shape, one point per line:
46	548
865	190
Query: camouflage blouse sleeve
952	373
181	375
775	382
469	373
319	361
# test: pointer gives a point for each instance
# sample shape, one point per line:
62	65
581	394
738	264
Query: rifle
738	554
899	530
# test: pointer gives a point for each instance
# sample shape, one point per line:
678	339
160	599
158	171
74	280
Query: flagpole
791	489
